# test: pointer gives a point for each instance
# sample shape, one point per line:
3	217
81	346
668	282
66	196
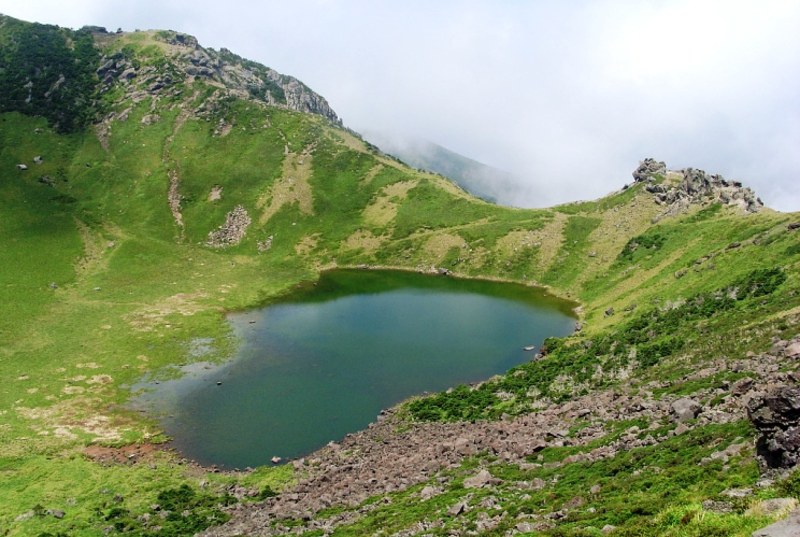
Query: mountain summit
73	77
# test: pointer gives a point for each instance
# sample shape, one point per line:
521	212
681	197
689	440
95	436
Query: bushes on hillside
648	339
48	71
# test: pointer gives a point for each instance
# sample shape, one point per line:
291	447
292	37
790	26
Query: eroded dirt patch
73	417
364	240
371	174
440	244
307	244
131	454
549	239
149	317
292	187
383	209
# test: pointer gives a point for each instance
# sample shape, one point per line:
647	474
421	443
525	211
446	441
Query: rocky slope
179	59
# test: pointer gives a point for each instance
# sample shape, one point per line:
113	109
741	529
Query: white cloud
568	95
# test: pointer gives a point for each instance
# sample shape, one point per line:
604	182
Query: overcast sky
568	96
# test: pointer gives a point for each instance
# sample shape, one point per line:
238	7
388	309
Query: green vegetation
651	241
48	71
640	343
103	281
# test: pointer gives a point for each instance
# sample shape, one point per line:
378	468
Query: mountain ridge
162	58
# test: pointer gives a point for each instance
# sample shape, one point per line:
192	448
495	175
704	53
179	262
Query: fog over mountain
567	97
487	182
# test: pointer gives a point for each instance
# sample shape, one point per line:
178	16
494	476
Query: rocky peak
649	170
677	190
169	58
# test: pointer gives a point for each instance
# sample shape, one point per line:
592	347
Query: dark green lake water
326	360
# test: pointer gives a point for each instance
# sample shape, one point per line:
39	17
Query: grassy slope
131	294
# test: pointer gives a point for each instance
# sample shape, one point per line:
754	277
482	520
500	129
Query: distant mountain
477	178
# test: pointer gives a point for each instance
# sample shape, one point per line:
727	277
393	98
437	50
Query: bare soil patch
132	454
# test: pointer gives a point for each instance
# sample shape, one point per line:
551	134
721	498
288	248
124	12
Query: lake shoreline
384	339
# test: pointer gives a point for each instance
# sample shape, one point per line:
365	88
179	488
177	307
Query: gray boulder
776	415
788	527
648	169
685	409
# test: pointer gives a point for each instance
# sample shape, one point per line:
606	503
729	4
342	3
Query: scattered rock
574	503
265	245
428	492
149	119
742	386
716	506
608	528
737	493
685	409
524	527
215	194
648	169
609	312
793	226
776	415
537	483
27	515
38	159
22	167
232	231
457	509
792	350
479	480
773	507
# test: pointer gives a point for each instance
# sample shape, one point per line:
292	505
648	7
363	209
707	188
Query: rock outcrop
187	60
649	170
692	187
